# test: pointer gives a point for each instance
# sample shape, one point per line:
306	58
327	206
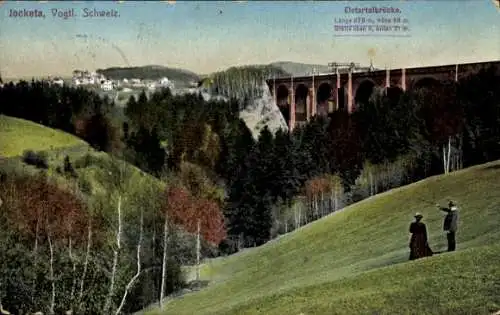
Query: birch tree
117	177
86	262
51	211
138	261
116	251
51	275
164	260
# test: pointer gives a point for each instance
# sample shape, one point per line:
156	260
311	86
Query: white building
137	83
107	85
164	82
58	81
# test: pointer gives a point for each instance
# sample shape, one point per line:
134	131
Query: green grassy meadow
92	167
17	135
355	261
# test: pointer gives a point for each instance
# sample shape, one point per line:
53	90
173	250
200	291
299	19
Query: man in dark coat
419	247
450	225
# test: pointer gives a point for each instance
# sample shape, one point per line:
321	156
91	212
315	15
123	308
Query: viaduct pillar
292	107
332	106
403	79
308	104
312	103
313	97
275	97
336	93
349	92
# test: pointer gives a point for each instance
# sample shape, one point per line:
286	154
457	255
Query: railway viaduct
324	93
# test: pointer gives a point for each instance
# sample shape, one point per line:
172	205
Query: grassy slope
17	135
355	261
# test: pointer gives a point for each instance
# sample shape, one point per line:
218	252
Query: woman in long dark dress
419	247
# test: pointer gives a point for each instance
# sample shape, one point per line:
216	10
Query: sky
210	36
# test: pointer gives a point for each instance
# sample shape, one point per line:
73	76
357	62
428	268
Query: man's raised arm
442	208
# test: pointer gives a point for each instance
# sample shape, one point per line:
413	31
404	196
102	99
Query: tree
195	214
238	142
139	269
52	216
313	147
251	199
387	127
287	167
98	131
480	98
175	204
443	116
345	148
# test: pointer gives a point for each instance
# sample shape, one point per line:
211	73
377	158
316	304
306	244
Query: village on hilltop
93	79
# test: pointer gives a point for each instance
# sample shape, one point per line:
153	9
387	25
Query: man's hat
451	204
418	215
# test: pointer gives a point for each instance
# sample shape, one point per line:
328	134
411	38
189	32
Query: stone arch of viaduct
322	94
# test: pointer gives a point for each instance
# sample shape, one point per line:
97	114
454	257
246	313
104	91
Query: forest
241	83
220	184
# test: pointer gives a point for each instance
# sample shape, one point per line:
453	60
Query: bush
84	161
85	186
146	291
228	247
68	168
39	160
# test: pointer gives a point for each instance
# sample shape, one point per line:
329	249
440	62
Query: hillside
151	72
356	261
103	184
91	166
19	134
240	82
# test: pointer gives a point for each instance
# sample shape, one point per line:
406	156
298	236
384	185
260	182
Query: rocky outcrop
261	112
256	112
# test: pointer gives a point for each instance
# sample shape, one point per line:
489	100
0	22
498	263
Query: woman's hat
418	215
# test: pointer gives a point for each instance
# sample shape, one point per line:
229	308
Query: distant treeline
242	82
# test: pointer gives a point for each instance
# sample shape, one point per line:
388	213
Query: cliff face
256	112
247	84
261	112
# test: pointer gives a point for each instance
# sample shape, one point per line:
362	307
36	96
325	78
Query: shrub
68	168
85	186
84	162
39	160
